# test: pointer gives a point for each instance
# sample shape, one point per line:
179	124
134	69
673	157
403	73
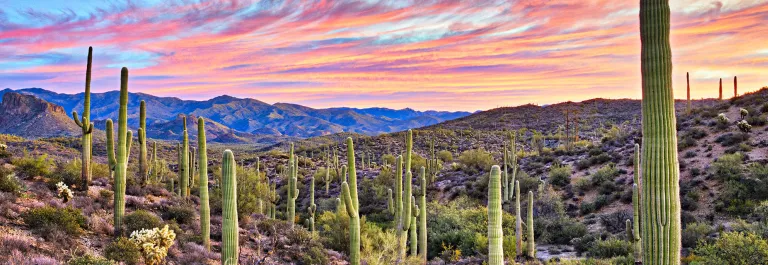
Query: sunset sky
444	55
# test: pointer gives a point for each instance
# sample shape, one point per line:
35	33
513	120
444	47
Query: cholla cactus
743	112
154	244
744	126
64	192
721	118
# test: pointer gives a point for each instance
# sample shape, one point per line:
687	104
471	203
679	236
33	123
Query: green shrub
183	214
89	259
250	188
445	155
49	219
9	182
733	248
610	248
69	173
728	167
123	250
560	175
28	166
141	219
730	139
475	161
605	174
695	232
388	159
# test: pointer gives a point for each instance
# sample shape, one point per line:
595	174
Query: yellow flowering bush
154	243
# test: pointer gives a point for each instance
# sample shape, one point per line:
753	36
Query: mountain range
233	120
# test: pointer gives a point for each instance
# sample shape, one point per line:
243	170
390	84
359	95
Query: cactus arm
352	171
659	169
495	232
110	145
77	120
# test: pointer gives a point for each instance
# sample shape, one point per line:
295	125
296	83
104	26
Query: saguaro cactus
273	199
423	218
111	161
390	202
735	87
660	210
349	195
404	220
495	232
721	90
529	224
634	235
414	227
688	92
184	167
192	166
87	127
312	206
327	180
124	137
142	134
518	222
153	164
293	192
512	159
205	210
229	230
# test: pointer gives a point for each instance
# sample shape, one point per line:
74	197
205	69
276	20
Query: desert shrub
89	259
250	187
153	243
560	175
182	214
475	161
67	172
49	219
693	233
757	120
141	219
730	139
610	248
8	182
561	230
605	174
728	167
615	222
685	142
28	166
733	248
445	155
599	202
388	159
123	250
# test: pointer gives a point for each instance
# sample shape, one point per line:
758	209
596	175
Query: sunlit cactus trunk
505	176
205	210
720	97
688	93
659	168
229	231
142	137
349	195
518	222
312	206
404	195
495	233
184	166
293	191
735	87
512	159
86	126
529	225
634	235
124	137
414	227
423	218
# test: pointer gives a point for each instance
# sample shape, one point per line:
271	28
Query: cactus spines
495	233
312	206
529	224
293	192
518	222
124	137
184	166
142	137
660	209
414	227
423	218
86	126
205	210
351	203
229	230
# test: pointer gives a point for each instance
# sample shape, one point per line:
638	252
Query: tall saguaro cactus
205	210
518	222
735	87
414	227
312	206
688	92
349	195
142	134
293	192
495	232
634	233
184	167
423	219
87	127
505	176
660	210
529	224
404	220
721	90
512	159
124	137
229	231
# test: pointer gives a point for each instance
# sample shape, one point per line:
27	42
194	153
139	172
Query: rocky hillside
33	117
